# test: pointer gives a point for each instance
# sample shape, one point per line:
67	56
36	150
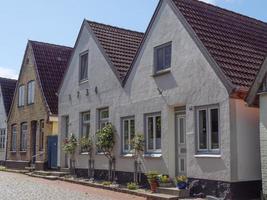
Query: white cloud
8	73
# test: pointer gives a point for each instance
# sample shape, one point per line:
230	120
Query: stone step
51	173
40	176
159	196
65	170
174	191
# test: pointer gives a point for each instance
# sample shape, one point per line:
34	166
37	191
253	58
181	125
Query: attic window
83	76
162	57
27	61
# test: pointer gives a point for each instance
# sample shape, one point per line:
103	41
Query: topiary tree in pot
87	144
105	142
138	143
69	147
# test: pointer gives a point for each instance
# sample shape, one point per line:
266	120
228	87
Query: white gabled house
182	85
7	88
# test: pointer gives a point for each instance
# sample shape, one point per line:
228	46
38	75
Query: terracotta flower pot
153	186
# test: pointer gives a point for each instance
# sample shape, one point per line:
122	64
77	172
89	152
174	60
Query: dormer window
162	57
21	96
83	66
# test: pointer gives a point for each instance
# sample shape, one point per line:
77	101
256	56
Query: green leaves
106	139
70	144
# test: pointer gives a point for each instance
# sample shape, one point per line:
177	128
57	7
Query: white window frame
2	139
14	131
85	123
128	119
154	116
31	92
21	95
102	120
23	137
208	126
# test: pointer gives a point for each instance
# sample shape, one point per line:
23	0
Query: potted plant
165	181
152	177
181	182
69	147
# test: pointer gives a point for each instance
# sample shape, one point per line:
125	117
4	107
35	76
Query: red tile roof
51	63
119	44
8	87
237	43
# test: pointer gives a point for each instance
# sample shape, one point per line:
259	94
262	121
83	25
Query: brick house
32	119
7	88
182	84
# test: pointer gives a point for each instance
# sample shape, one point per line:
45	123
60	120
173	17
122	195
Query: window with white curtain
21	95
31	92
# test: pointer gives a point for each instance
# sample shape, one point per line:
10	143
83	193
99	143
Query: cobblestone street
21	187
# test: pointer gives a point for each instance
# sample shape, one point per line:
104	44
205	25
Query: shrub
106	183
132	186
86	144
70	144
164	179
181	179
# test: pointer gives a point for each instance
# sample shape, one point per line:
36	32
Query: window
128	132
21	95
162	57
153	132
2	139
41	136
208	129
13	137
103	117
85	124
23	137
84	66
31	91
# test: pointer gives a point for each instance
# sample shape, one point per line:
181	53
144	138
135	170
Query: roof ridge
116	27
8	79
230	11
50	44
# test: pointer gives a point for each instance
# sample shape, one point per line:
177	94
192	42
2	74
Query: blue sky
59	21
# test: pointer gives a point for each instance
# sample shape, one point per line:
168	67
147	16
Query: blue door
52	151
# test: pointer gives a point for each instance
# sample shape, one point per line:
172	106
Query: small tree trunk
135	171
90	167
72	164
110	170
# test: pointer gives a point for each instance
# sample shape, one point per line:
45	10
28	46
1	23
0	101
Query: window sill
83	81
152	155
84	153
162	72
13	152
30	104
22	151
127	155
208	156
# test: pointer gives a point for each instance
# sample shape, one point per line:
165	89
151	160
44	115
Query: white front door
180	123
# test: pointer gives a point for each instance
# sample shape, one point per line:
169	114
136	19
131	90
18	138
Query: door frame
33	140
182	112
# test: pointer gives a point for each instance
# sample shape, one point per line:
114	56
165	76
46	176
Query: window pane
104	114
85	124
150	133
158	132
214	116
14	136
126	135
167	56
132	132
160	59
84	67
181	131
202	129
